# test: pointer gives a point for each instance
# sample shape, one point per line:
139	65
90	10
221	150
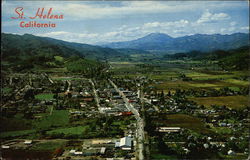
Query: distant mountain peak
156	37
158	34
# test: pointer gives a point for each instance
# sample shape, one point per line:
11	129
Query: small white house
5	147
72	151
103	149
28	142
231	152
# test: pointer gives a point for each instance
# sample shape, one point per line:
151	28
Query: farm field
235	102
168	76
44	96
79	130
20	126
183	121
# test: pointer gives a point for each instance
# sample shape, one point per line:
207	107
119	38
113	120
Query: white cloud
208	17
245	28
231	29
233	23
180	23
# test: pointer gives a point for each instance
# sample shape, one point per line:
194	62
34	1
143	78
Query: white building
169	129
126	143
27	141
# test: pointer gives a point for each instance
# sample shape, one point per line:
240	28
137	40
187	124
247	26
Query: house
72	151
103	149
230	152
27	142
78	153
5	147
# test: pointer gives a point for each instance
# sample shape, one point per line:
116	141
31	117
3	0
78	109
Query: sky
95	22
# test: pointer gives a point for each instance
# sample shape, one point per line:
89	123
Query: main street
140	122
96	96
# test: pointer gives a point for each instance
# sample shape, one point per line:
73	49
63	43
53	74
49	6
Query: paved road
46	76
97	99
140	122
69	85
50	80
149	102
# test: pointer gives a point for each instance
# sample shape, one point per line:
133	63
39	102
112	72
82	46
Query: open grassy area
15	123
6	90
69	131
59	58
183	121
237	82
235	102
179	84
19	126
48	145
44	96
51	70
222	130
12	134
58	118
197	84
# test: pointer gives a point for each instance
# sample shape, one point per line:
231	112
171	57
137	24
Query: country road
96	97
69	85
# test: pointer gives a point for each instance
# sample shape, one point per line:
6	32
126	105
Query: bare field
183	121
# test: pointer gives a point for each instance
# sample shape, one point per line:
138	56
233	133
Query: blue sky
100	21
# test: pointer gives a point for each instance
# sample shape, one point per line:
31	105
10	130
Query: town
125	80
74	117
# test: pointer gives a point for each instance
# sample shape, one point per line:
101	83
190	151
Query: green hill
30	45
30	53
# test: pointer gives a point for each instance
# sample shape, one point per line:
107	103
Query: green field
58	118
168	74
19	126
12	134
222	130
6	90
235	102
44	96
48	145
59	58
79	130
15	123
52	70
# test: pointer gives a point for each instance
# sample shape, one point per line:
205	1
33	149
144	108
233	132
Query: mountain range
30	45
159	42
